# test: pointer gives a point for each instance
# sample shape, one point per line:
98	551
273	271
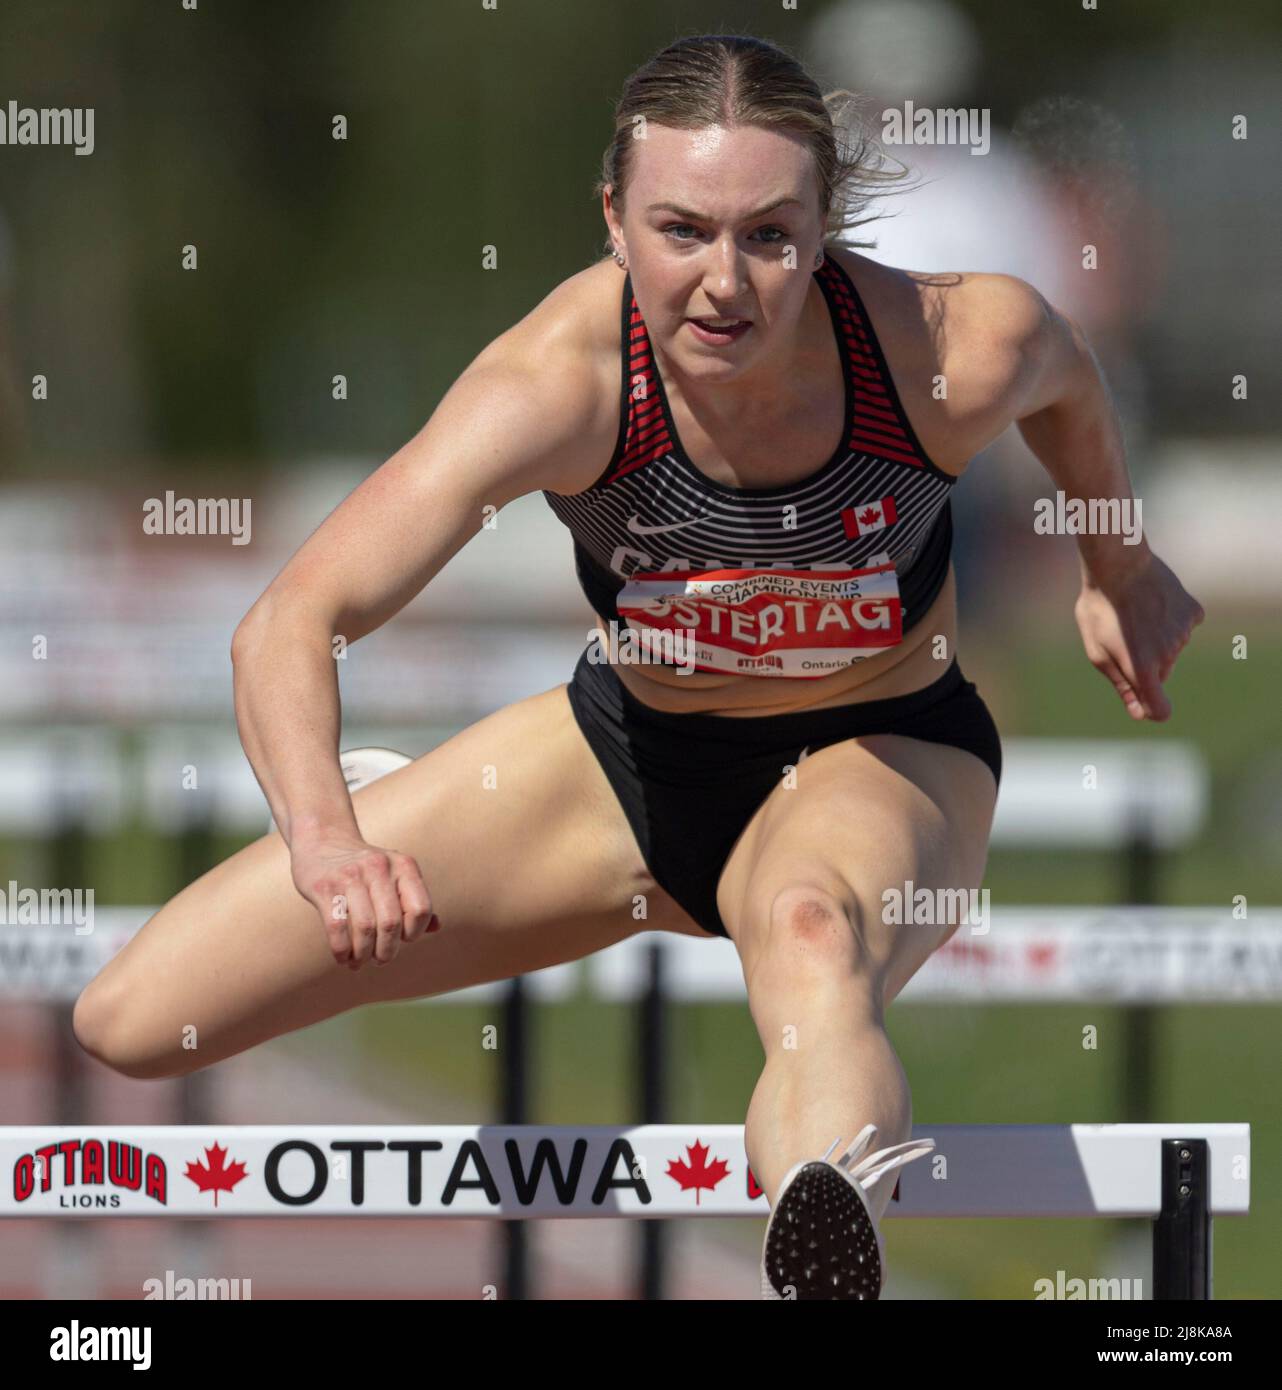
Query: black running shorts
690	783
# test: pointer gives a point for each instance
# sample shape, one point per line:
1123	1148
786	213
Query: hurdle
1031	955
1179	1176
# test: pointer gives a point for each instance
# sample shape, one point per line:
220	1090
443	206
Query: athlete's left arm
1134	615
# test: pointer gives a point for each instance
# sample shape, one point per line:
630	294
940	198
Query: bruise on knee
811	956
811	923
811	917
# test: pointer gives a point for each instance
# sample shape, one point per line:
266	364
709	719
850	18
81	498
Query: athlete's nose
724	280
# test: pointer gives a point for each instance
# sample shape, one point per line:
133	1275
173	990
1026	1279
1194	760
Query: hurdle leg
1182	1233
652	1066
514	1110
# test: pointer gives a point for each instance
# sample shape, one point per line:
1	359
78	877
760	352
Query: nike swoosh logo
637	529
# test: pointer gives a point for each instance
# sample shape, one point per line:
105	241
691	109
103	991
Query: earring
819	259
622	260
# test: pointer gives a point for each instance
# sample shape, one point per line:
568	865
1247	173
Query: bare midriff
919	660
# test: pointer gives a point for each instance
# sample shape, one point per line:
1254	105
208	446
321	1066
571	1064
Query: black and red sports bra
798	580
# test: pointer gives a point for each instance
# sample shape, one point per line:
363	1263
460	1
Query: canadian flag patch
869	517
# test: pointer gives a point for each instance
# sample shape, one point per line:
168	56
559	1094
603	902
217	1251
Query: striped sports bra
798	580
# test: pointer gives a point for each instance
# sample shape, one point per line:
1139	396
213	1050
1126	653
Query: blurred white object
1211	511
928	50
361	766
1156	791
986	213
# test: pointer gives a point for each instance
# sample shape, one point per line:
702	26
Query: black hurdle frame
1182	1260
652	1067
514	1105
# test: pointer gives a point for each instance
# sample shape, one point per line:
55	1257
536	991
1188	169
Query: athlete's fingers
1106	665
387	907
1168	662
1154	698
1141	674
416	902
334	916
362	924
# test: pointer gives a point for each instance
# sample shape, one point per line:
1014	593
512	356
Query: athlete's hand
369	899
1133	628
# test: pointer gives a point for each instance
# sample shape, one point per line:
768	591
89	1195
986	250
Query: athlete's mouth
719	329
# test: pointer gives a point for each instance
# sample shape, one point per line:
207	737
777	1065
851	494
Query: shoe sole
822	1243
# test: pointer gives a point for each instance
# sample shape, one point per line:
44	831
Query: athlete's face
719	225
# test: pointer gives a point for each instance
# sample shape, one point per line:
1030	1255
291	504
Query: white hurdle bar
1178	1175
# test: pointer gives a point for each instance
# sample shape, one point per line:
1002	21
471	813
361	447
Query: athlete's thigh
525	852
869	814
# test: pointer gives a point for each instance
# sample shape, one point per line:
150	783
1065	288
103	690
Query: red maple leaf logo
869	515
219	1175
698	1173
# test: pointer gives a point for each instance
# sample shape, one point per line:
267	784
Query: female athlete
753	435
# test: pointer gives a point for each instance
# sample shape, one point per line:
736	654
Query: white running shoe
361	766
821	1240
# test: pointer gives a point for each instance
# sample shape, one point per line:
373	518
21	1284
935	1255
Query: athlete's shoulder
980	333
1004	331
981	302
1004	307
566	351
579	318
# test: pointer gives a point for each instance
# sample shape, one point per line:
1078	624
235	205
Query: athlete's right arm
527	414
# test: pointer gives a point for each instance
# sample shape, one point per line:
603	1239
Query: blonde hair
736	80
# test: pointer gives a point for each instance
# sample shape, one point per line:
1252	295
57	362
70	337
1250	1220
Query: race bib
787	622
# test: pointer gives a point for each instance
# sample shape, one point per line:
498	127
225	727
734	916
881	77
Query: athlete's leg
801	896
526	854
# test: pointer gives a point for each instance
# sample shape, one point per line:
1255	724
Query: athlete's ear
615	242
613	220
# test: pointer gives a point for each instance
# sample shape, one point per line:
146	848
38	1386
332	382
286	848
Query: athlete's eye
769	236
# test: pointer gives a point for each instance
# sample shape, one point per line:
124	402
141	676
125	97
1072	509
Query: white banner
566	1171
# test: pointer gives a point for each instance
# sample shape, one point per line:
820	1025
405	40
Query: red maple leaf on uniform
869	515
218	1175
698	1173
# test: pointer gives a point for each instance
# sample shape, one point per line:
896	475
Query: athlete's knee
812	927
107	1026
